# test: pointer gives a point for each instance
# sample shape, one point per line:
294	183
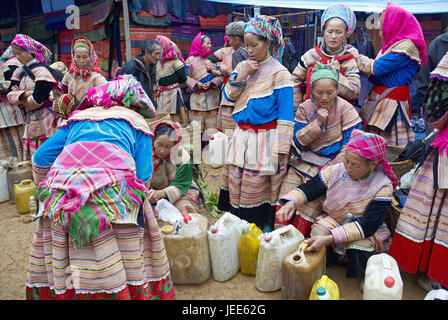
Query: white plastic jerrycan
439	294
223	239
217	148
382	279
274	247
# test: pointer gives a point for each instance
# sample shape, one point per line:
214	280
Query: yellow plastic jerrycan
22	193
324	289
248	250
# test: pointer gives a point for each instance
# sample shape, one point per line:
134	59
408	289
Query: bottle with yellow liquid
324	289
248	250
22	193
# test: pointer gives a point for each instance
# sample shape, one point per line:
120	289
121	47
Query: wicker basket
392	217
159	117
400	167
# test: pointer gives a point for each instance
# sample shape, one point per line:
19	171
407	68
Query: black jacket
289	59
146	77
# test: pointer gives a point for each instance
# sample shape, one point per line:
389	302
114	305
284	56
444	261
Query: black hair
149	45
165	130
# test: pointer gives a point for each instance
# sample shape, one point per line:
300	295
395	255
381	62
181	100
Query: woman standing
337	24
204	86
261	90
30	88
387	109
173	172
362	187
169	75
323	126
96	237
420	241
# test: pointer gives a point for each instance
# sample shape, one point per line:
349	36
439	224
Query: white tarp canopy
414	6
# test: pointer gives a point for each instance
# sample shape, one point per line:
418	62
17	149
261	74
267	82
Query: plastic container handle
27	181
300	253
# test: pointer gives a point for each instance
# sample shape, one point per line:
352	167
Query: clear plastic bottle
322	294
33	206
340	247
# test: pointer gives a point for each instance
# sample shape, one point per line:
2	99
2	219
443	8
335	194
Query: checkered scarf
372	147
63	106
342	12
40	52
270	28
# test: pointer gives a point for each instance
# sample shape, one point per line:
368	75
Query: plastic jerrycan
217	148
248	250
21	171
188	252
300	270
382	280
22	193
4	192
330	287
274	247
223	239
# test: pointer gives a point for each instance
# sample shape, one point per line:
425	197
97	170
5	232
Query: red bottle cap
267	237
389	282
212	138
214	229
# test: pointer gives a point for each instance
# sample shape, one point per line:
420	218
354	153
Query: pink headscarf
170	50
197	49
399	24
41	52
372	147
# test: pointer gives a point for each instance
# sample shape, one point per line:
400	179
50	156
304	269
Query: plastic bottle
300	270
248	250
382	280
19	171
223	239
33	205
322	294
22	193
439	294
340	247
274	247
217	149
188	252
331	288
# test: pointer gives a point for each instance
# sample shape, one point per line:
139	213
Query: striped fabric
123	258
349	82
225	121
78	87
170	99
206	119
420	242
11	142
10	115
441	72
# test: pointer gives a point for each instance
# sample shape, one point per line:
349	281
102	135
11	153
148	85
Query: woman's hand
322	116
250	67
286	212
155	195
318	242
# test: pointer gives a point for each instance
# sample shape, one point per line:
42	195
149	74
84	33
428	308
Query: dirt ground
16	232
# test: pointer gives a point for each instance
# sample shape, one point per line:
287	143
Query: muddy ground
16	232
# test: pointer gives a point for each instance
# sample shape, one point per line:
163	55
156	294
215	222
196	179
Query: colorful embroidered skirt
420	242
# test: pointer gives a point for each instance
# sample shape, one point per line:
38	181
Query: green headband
321	71
81	44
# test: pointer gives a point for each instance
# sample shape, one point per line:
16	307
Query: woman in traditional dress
362	187
173	172
204	86
387	109
420	242
11	117
337	24
261	90
84	72
96	237
30	88
323	126
169	75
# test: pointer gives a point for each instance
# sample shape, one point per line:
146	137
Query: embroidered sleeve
349	83
285	118
181	184
191	82
390	63
41	92
179	70
365	65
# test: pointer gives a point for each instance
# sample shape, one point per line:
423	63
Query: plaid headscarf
270	28
197	49
40	52
342	12
322	71
94	63
170	50
372	147
124	90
